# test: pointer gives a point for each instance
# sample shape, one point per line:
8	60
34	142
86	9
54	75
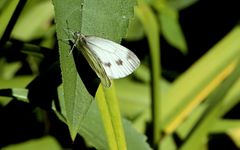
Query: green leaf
108	19
16	93
228	126
187	126
171	29
33	21
225	125
7	95
168	143
181	4
16	82
76	97
46	143
135	30
7	9
8	70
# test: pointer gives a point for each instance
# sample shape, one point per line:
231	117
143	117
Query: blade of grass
106	117
191	85
232	98
149	22
12	21
204	93
114	110
170	26
110	112
212	112
6	14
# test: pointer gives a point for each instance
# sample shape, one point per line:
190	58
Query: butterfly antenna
74	45
69	32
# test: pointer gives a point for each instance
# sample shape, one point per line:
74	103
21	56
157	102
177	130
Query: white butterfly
108	59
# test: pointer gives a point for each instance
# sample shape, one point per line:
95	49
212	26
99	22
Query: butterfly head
79	37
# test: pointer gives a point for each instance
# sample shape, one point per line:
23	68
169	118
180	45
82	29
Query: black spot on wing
130	55
133	60
108	64
119	62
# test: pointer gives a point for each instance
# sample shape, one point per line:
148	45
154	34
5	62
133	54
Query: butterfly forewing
116	60
108	59
91	58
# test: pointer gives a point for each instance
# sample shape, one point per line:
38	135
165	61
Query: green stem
104	112
111	116
113	107
150	26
